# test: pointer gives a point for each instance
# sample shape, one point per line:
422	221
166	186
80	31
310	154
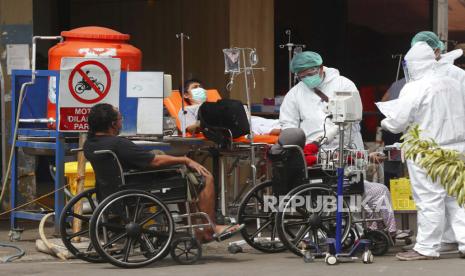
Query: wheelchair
278	214
129	223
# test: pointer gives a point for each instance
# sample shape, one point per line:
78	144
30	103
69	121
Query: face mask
312	81
199	94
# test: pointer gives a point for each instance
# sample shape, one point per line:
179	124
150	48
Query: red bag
311	152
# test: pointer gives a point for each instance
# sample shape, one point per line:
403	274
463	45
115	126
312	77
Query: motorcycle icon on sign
82	85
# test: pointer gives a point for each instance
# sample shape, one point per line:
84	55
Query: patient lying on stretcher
194	95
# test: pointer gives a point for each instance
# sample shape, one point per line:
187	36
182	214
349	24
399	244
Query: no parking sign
85	82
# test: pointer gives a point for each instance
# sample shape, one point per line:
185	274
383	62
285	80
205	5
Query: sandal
228	232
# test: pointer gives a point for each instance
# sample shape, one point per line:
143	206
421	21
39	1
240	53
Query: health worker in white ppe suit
304	107
436	103
445	64
305	104
444	67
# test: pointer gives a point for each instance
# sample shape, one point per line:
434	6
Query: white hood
330	74
451	56
420	60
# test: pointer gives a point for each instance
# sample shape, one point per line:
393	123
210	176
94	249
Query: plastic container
401	195
71	176
91	42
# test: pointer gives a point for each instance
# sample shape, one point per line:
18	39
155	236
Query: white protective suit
446	67
436	103
303	108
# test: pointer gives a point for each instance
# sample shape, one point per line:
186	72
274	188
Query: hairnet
305	60
292	136
429	37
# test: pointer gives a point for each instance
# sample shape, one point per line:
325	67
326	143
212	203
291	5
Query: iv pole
398	64
290	47
181	36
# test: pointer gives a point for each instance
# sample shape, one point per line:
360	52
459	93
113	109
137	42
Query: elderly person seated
105	123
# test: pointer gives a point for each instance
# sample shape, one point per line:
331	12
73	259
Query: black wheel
260	221
350	240
79	88
302	217
379	242
234	249
79	243
132	229
408	241
186	250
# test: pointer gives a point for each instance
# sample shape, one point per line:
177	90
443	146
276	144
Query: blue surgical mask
199	94
312	81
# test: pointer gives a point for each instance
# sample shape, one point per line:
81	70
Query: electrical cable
39	198
10	258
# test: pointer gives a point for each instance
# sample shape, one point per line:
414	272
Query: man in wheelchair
105	123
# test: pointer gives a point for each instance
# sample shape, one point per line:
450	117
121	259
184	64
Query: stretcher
237	150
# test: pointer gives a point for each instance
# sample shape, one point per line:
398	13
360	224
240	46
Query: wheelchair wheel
260	224
302	217
186	250
379	242
132	228
79	243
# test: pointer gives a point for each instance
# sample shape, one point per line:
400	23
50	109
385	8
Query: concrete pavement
217	261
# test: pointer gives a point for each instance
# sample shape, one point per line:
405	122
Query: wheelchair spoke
80	233
328	218
321	230
301	234
273	234
127	249
315	237
260	229
114	239
260	200
147	243
158	233
127	219
113	226
294	217
81	217
296	223
324	229
91	201
90	247
302	211
156	214
256	216
136	211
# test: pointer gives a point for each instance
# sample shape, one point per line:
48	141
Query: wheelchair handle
120	167
103	151
302	154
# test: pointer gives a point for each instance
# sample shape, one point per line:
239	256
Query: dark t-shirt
130	155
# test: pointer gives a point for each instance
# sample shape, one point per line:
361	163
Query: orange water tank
92	42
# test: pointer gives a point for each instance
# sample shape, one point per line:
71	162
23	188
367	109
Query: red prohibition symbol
89	84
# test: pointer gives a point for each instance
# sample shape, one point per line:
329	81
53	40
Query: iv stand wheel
367	257
331	260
